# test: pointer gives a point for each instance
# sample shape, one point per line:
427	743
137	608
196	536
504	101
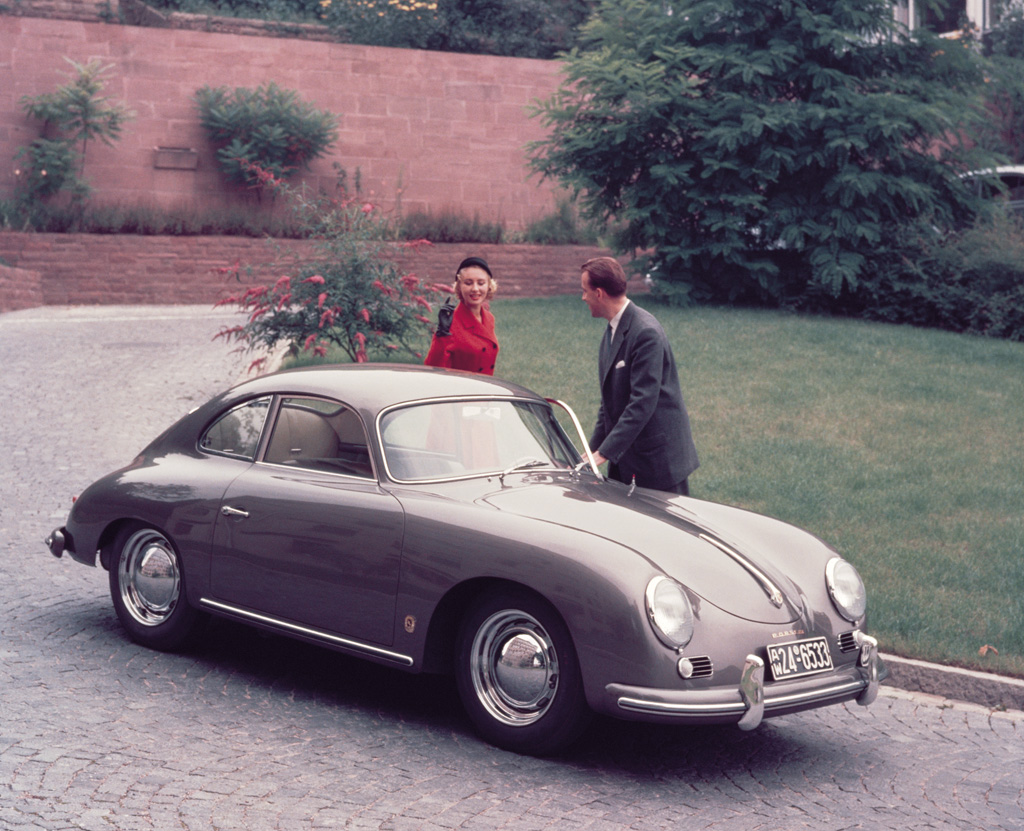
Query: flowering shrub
351	295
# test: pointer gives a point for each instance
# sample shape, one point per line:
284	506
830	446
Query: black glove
444	317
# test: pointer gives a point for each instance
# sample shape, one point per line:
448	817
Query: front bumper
751	702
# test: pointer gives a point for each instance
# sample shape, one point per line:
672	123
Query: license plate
791	660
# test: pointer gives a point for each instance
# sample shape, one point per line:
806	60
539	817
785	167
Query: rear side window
317	434
237	432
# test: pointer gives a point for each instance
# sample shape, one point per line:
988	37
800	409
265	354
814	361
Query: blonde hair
492	285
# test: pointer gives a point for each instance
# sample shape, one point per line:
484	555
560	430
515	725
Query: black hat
477	262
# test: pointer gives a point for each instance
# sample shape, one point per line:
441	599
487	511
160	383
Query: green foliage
752	148
351	295
71	117
968	281
289	10
449	226
523	28
267	129
563	227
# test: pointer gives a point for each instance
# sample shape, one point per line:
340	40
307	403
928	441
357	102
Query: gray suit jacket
642	424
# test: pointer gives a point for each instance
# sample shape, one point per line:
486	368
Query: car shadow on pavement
253	669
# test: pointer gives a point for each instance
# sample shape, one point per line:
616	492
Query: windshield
456	439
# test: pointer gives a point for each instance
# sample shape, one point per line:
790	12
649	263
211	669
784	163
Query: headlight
846	588
669	611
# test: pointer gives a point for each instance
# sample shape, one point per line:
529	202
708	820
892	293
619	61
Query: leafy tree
72	116
756	148
265	129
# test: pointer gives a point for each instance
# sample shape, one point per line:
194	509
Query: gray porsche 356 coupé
437	521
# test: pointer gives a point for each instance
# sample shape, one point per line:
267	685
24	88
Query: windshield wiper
526	463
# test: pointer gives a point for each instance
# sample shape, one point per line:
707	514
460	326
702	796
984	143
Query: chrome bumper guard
750	704
56	542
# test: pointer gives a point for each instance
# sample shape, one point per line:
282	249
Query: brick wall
96	269
437	130
20	289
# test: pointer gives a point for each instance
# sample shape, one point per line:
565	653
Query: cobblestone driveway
255	732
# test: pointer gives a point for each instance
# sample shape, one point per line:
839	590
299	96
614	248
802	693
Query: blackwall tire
518	675
147	586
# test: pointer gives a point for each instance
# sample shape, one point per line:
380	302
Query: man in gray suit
642	428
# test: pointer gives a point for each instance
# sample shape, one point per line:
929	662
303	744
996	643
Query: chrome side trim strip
318	634
667	708
769	587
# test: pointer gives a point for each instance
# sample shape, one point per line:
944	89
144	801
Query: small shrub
971	281
71	117
266	129
563	227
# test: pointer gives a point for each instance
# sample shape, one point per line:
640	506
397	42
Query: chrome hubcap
514	668
148	577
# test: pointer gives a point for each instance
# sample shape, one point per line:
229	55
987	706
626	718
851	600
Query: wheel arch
439	645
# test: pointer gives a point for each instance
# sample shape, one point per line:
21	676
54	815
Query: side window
315	434
237	432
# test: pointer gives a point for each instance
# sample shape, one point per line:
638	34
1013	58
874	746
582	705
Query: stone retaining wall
20	289
98	269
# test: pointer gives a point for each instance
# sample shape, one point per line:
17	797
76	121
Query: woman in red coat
470	343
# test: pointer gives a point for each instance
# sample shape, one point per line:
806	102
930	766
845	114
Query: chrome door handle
227	510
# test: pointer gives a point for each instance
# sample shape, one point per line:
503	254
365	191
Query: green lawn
901	447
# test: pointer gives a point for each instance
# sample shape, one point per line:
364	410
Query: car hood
731	558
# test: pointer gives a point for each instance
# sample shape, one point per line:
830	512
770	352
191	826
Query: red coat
472	344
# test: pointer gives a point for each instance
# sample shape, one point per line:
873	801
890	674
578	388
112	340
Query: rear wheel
147	585
518	675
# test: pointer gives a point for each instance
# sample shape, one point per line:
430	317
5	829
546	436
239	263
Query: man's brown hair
606	273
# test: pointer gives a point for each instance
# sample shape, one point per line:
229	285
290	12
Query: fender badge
410	624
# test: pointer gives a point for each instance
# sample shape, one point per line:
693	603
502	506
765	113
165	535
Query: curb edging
982	688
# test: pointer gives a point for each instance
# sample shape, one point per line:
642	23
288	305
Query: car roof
373	387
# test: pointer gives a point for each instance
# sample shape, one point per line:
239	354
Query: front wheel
518	675
147	585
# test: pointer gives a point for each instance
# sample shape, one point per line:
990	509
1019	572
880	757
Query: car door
306	535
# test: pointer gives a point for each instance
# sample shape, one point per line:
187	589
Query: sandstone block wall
428	130
20	288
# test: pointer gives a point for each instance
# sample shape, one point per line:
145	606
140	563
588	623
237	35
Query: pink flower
321	300
316	279
259	311
365	315
309	343
367	208
257	364
423	302
422	319
360	339
283	281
